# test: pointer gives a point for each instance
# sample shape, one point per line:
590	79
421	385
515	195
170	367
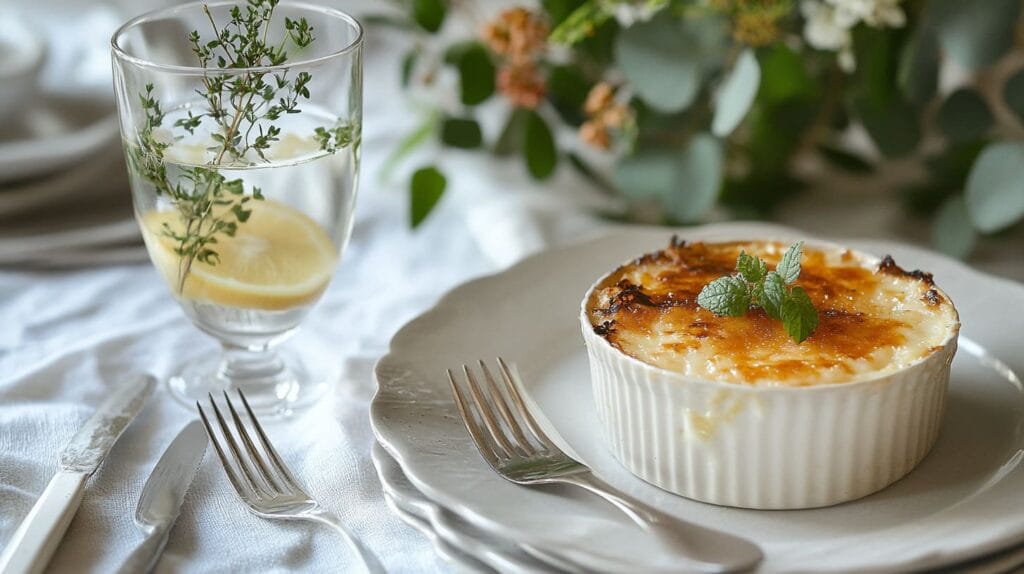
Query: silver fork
263	481
513	444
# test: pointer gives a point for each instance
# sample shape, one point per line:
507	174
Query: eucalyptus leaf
1013	93
699	179
975	33
647	174
737	94
995	187
893	125
952	232
711	35
964	116
686	183
461	133
539	147
429	14
425	189
918	74
661	63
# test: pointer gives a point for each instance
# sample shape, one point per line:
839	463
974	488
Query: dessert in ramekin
732	411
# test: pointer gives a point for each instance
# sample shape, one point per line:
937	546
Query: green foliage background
704	103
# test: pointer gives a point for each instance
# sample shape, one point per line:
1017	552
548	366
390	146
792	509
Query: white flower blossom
874	13
828	23
823	29
629	12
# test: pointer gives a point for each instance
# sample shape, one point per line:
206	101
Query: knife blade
163	494
33	543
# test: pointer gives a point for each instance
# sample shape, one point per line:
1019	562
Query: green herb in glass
242	108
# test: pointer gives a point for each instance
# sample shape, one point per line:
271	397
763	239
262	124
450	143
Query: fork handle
370	561
711	550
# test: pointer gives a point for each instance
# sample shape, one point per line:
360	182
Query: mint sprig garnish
754	286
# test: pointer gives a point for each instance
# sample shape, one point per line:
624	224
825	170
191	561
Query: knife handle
145	556
30	548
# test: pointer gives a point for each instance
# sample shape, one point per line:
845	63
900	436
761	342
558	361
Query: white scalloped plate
963	501
458	542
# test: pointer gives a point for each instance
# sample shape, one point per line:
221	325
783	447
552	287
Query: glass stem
253	371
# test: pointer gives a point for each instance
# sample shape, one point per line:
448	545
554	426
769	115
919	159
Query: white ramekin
766	447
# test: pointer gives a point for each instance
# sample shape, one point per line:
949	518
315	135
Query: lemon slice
278	259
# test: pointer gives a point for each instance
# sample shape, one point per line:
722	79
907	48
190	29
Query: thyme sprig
207	203
241	103
241	107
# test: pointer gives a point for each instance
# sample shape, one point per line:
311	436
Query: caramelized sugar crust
872	316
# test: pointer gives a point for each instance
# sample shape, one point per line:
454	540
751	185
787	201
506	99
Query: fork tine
517	399
525	447
486	410
254	454
243	492
233	447
269	448
486	447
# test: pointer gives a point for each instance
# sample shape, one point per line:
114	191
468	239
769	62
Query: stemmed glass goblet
241	126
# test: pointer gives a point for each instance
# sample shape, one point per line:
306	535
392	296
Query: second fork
517	448
262	479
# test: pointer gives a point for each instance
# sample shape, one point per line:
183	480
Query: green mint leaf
789	267
751	268
771	293
725	296
798	315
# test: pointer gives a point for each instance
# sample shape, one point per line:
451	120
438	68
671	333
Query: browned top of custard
872	316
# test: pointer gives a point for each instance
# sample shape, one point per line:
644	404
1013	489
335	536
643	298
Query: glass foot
276	385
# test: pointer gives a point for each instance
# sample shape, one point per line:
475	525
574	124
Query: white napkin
508	228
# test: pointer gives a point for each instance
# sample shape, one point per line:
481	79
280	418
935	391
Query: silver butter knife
160	502
33	543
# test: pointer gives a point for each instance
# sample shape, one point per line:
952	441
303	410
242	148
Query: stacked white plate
960	510
64	196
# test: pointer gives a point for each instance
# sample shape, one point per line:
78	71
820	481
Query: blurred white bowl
22	53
